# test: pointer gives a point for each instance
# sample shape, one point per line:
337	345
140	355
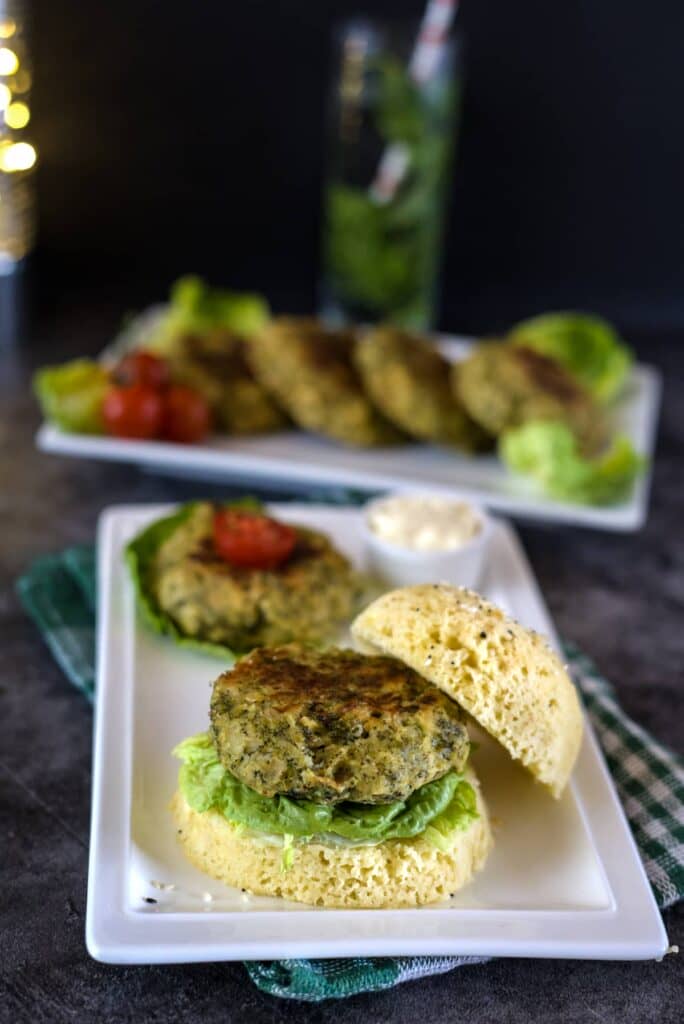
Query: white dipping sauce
424	523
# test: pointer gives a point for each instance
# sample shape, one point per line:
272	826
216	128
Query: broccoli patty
504	386
334	726
308	597
214	363
408	379
309	371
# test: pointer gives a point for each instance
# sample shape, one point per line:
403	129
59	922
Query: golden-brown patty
214	363
504	386
308	597
408	379
309	371
334	725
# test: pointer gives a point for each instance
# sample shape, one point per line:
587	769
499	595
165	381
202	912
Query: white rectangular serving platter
564	879
293	459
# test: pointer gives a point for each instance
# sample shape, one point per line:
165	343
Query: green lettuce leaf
200	307
548	452
139	555
71	395
455	817
196	306
587	346
447	804
200	775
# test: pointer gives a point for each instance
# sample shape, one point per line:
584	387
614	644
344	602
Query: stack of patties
342	779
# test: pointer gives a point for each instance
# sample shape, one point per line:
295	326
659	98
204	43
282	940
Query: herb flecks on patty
408	379
334	726
308	597
504	386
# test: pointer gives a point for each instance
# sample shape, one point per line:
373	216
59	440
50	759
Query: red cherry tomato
252	541
187	417
133	412
141	368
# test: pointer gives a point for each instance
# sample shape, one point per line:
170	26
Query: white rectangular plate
293	459
564	880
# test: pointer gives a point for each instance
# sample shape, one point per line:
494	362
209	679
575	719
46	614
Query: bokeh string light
18	154
9	62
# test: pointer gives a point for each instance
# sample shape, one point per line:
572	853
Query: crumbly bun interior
506	676
397	873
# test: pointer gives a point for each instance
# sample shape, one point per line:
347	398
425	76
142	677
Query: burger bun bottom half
395	873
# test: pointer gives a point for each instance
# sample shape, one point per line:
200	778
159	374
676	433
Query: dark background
177	136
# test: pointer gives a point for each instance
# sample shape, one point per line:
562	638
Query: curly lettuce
587	346
437	810
140	554
71	395
549	453
196	308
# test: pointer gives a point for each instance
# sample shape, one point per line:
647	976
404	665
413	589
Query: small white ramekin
399	566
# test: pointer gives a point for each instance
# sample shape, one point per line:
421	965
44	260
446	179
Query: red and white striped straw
434	29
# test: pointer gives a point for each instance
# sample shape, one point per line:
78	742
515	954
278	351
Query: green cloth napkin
58	592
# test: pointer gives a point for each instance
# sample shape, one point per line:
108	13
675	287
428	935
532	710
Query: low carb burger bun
504	675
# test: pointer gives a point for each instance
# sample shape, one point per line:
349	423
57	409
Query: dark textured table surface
620	597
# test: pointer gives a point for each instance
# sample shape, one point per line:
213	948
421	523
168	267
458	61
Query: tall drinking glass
391	133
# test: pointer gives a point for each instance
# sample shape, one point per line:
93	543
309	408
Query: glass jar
390	141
